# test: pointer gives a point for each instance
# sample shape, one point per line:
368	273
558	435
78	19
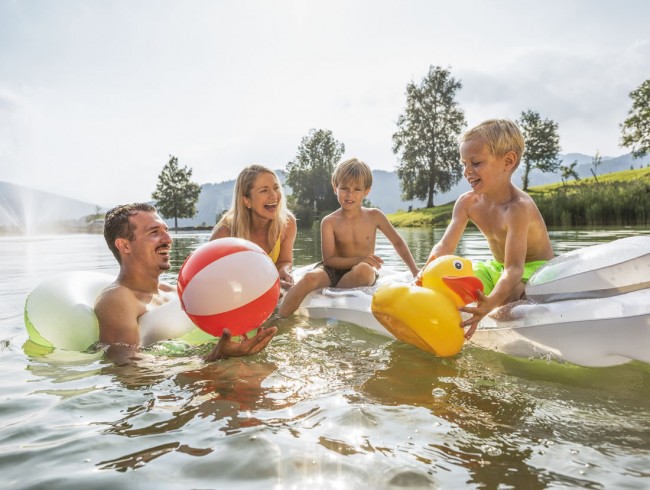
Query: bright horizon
95	96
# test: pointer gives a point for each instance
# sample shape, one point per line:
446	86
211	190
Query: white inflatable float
590	307
59	314
229	282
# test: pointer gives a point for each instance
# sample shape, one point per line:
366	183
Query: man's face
152	242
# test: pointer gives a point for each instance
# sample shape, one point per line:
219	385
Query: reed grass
615	199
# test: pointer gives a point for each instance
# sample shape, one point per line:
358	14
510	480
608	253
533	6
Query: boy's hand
374	260
247	346
418	277
417	280
286	279
481	309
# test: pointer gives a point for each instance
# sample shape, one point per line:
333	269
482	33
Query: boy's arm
396	239
505	288
455	229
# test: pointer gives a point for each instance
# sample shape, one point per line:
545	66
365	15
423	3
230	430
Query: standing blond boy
507	217
348	239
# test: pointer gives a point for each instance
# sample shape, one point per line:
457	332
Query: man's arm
117	312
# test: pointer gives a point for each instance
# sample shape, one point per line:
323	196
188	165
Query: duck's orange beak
465	287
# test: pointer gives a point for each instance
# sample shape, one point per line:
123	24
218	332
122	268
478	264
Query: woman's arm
284	263
220	231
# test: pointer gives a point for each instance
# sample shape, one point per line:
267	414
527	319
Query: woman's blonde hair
501	136
238	218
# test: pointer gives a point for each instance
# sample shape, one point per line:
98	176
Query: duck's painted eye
458	265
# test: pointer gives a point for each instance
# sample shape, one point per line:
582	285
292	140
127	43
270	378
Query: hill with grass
616	198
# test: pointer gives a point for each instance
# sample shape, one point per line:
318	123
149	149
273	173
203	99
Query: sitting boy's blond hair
501	136
354	171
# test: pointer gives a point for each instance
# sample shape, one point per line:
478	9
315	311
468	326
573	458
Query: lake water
324	406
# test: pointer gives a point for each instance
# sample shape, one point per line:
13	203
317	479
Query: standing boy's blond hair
501	136
352	170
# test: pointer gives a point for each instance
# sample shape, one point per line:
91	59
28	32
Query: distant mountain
607	166
22	208
26	210
214	199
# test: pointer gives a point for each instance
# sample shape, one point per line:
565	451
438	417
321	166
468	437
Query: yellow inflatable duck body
427	315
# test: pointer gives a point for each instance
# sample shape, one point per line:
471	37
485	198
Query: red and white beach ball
228	283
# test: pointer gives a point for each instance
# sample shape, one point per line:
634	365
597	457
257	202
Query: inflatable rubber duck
427	315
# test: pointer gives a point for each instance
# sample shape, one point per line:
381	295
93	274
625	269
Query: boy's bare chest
355	233
491	221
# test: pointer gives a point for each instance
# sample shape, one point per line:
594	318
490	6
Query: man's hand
247	346
481	309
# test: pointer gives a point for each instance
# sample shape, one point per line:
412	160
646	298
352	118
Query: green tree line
426	145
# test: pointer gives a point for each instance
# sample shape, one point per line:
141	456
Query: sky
95	95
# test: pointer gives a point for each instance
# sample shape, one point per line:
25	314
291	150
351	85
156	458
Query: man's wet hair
118	225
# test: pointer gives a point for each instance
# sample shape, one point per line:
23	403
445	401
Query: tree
542	144
176	196
595	163
427	137
636	128
310	174
569	172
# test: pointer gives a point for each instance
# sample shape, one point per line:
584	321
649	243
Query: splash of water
25	211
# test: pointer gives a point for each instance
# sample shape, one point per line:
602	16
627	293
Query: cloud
587	93
14	131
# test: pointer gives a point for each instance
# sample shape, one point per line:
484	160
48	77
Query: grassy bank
619	198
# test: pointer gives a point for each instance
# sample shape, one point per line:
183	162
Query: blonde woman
259	213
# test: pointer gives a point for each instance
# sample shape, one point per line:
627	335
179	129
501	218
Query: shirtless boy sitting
348	239
506	215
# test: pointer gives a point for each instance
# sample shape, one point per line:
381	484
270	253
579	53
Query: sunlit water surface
324	406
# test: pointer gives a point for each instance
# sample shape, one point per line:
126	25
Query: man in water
140	242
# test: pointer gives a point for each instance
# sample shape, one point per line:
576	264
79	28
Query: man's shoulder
114	293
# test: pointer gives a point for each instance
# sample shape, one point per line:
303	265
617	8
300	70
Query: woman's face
265	195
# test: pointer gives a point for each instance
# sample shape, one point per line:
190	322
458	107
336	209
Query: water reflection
326	405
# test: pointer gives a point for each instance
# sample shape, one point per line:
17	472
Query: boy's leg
360	275
314	279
